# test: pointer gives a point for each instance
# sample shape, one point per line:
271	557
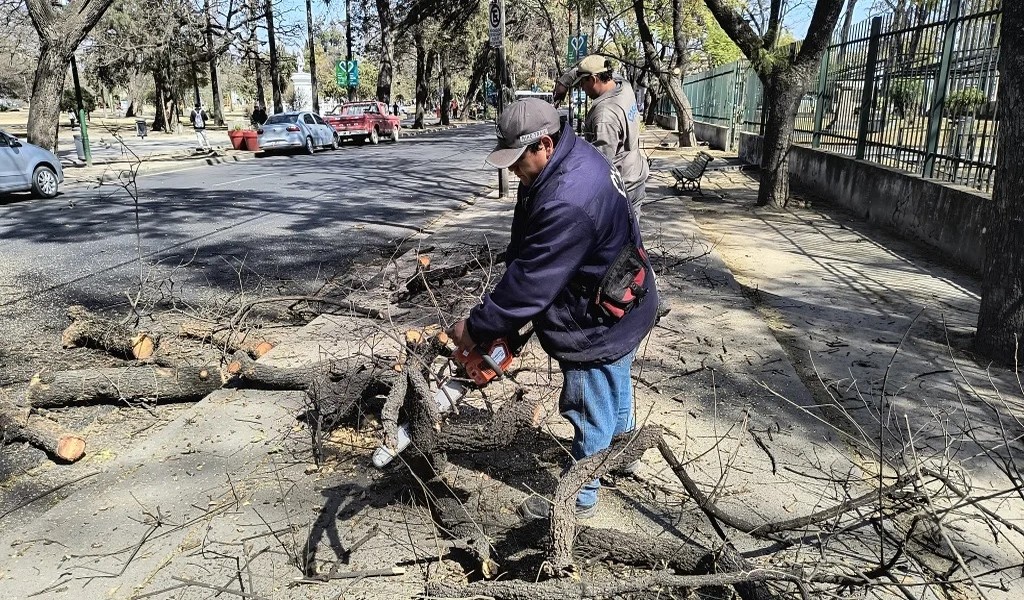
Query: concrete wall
716	136
666	121
948	218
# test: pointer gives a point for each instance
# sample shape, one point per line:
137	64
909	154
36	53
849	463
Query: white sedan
26	167
291	130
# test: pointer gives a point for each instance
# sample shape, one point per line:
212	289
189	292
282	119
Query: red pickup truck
364	121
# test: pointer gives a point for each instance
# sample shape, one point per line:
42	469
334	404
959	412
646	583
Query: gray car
296	130
26	167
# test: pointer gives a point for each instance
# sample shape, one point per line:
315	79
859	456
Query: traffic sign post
496	21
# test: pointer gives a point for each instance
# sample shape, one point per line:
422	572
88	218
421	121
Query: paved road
280	218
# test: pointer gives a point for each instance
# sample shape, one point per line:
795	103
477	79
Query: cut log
246	372
93	331
230	340
156	384
22	424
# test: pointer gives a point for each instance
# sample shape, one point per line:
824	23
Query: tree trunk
781	99
261	94
387	51
275	78
218	102
446	93
313	90
476	76
422	78
670	82
47	90
92	331
1001	315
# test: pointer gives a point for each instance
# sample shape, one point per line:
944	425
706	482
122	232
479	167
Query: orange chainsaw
479	365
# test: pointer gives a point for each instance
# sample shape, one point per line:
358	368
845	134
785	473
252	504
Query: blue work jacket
568	227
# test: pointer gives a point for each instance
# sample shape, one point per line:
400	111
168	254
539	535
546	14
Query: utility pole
87	151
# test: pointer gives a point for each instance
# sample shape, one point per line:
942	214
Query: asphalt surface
287	220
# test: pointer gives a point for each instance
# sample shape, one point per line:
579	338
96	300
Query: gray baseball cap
593	64
522	123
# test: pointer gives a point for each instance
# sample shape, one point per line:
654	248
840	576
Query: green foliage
904	94
68	103
964	102
720	49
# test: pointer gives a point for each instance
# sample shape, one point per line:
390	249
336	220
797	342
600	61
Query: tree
1001	315
784	76
670	75
61	29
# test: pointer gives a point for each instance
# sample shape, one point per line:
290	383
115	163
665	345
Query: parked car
293	130
364	121
27	167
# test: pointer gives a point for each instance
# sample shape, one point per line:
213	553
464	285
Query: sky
798	20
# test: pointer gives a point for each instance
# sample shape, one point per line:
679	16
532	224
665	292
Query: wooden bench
688	178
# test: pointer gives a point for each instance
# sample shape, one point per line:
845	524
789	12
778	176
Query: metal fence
913	90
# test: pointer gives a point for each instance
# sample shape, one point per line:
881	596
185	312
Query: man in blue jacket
571	221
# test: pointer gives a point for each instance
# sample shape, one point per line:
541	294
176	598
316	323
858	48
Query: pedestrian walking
613	123
572	234
198	119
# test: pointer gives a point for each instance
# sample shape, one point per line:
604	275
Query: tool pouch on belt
622	287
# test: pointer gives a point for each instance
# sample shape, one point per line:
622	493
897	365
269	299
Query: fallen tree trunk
230	340
157	384
93	331
22	424
493	431
564	589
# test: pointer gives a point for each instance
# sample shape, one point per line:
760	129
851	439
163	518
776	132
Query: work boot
537	507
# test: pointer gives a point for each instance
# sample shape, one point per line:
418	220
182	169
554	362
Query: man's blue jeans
598	401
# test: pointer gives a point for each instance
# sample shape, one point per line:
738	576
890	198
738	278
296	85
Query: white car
292	130
26	167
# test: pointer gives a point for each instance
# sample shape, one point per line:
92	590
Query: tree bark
1001	314
228	340
50	389
670	76
422	77
60	30
781	99
90	330
21	423
249	373
387	51
314	88
275	78
218	102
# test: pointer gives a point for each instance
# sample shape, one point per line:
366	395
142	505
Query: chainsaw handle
491	364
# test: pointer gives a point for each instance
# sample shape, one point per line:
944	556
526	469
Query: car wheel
44	182
374	136
309	145
335	142
394	134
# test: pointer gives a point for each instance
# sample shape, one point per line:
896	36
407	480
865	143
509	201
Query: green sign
577	48
346	73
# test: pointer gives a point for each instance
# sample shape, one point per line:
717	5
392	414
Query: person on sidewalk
198	119
258	116
571	224
613	123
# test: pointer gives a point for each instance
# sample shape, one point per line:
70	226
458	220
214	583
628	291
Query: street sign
577	48
346	73
341	73
496	21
